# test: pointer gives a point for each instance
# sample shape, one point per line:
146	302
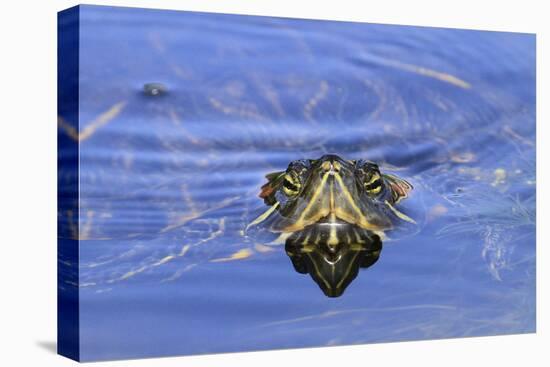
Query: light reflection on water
169	182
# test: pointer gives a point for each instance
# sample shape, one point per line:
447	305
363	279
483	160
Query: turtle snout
331	166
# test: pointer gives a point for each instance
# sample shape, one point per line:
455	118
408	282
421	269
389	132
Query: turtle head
353	191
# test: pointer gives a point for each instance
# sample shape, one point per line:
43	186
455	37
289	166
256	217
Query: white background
28	183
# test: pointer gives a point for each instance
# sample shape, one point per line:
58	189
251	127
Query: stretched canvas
236	183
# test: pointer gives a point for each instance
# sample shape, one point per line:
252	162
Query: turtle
331	214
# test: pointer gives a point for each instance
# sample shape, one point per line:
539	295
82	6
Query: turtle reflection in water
331	214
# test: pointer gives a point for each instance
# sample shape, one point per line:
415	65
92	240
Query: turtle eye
373	185
291	184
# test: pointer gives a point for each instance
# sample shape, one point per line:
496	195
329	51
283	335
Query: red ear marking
269	187
401	190
399	187
267	190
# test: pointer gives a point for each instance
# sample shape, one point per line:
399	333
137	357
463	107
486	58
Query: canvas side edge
68	325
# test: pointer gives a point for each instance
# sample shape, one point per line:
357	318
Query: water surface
168	182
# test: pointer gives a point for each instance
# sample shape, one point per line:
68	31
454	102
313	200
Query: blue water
168	182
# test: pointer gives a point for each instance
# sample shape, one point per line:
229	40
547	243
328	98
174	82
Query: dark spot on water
154	89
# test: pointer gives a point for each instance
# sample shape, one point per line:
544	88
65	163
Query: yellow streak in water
239	255
164	260
444	77
281	239
176	120
399	214
263	216
188	199
171	257
314	101
247	110
367	310
180	221
87	227
263	248
101	120
508	130
93	126
70	130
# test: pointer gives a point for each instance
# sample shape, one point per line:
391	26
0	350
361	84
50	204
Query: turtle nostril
331	166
